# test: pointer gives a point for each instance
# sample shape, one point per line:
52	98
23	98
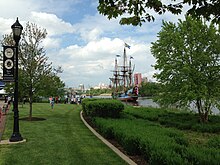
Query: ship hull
128	98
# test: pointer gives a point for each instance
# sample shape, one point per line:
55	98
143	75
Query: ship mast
130	73
116	77
124	70
122	74
116	74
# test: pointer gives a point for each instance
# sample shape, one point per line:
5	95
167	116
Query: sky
82	41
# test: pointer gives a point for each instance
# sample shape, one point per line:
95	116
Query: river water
147	102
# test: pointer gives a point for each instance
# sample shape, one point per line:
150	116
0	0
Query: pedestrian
9	100
66	99
56	99
51	102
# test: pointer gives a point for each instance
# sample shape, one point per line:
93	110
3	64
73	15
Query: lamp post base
15	137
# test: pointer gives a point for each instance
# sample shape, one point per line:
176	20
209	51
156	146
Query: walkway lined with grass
60	139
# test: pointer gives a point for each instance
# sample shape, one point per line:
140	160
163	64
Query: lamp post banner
9	53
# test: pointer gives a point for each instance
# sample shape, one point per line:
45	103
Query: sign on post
8	63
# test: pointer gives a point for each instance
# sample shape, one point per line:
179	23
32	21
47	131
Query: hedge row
177	119
157	144
102	107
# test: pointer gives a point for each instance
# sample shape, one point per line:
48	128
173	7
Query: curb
8	142
117	151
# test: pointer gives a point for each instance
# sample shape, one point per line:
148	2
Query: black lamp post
16	136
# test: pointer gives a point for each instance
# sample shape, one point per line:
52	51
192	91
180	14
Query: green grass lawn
60	139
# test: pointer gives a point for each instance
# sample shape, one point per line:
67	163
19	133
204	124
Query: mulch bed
136	158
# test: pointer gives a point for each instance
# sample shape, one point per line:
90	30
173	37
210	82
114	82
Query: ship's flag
128	46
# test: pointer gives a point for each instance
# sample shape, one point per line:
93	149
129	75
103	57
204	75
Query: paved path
2	118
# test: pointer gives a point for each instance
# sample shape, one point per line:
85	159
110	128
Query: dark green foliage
136	12
85	102
203	155
206	127
139	131
102	107
177	119
149	89
137	137
187	59
151	114
214	142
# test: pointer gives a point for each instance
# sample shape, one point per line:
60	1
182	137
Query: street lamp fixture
17	30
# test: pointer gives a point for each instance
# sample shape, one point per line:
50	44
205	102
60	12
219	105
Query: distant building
137	79
81	87
144	80
101	86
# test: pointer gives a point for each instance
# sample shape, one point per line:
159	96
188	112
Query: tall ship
122	79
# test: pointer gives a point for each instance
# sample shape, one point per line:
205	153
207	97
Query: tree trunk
31	100
30	113
204	117
203	114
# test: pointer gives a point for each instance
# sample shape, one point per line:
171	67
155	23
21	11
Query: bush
156	143
177	119
102	107
85	102
202	155
214	142
207	127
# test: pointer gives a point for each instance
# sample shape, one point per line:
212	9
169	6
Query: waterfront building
137	79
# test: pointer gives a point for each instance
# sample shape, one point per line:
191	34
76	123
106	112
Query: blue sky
81	40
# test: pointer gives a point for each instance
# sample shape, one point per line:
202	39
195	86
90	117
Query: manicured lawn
60	139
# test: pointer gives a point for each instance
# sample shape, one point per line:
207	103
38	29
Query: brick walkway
2	118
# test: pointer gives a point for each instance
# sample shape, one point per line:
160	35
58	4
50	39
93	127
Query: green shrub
151	114
85	102
207	127
177	137
106	131
102	107
199	155
214	142
131	144
157	144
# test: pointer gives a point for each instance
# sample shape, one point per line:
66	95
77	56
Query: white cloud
51	43
53	24
90	35
14	8
85	45
95	60
5	27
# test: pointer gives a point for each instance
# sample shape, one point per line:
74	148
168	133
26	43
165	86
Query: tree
149	89
51	86
33	60
136	12
34	70
188	59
